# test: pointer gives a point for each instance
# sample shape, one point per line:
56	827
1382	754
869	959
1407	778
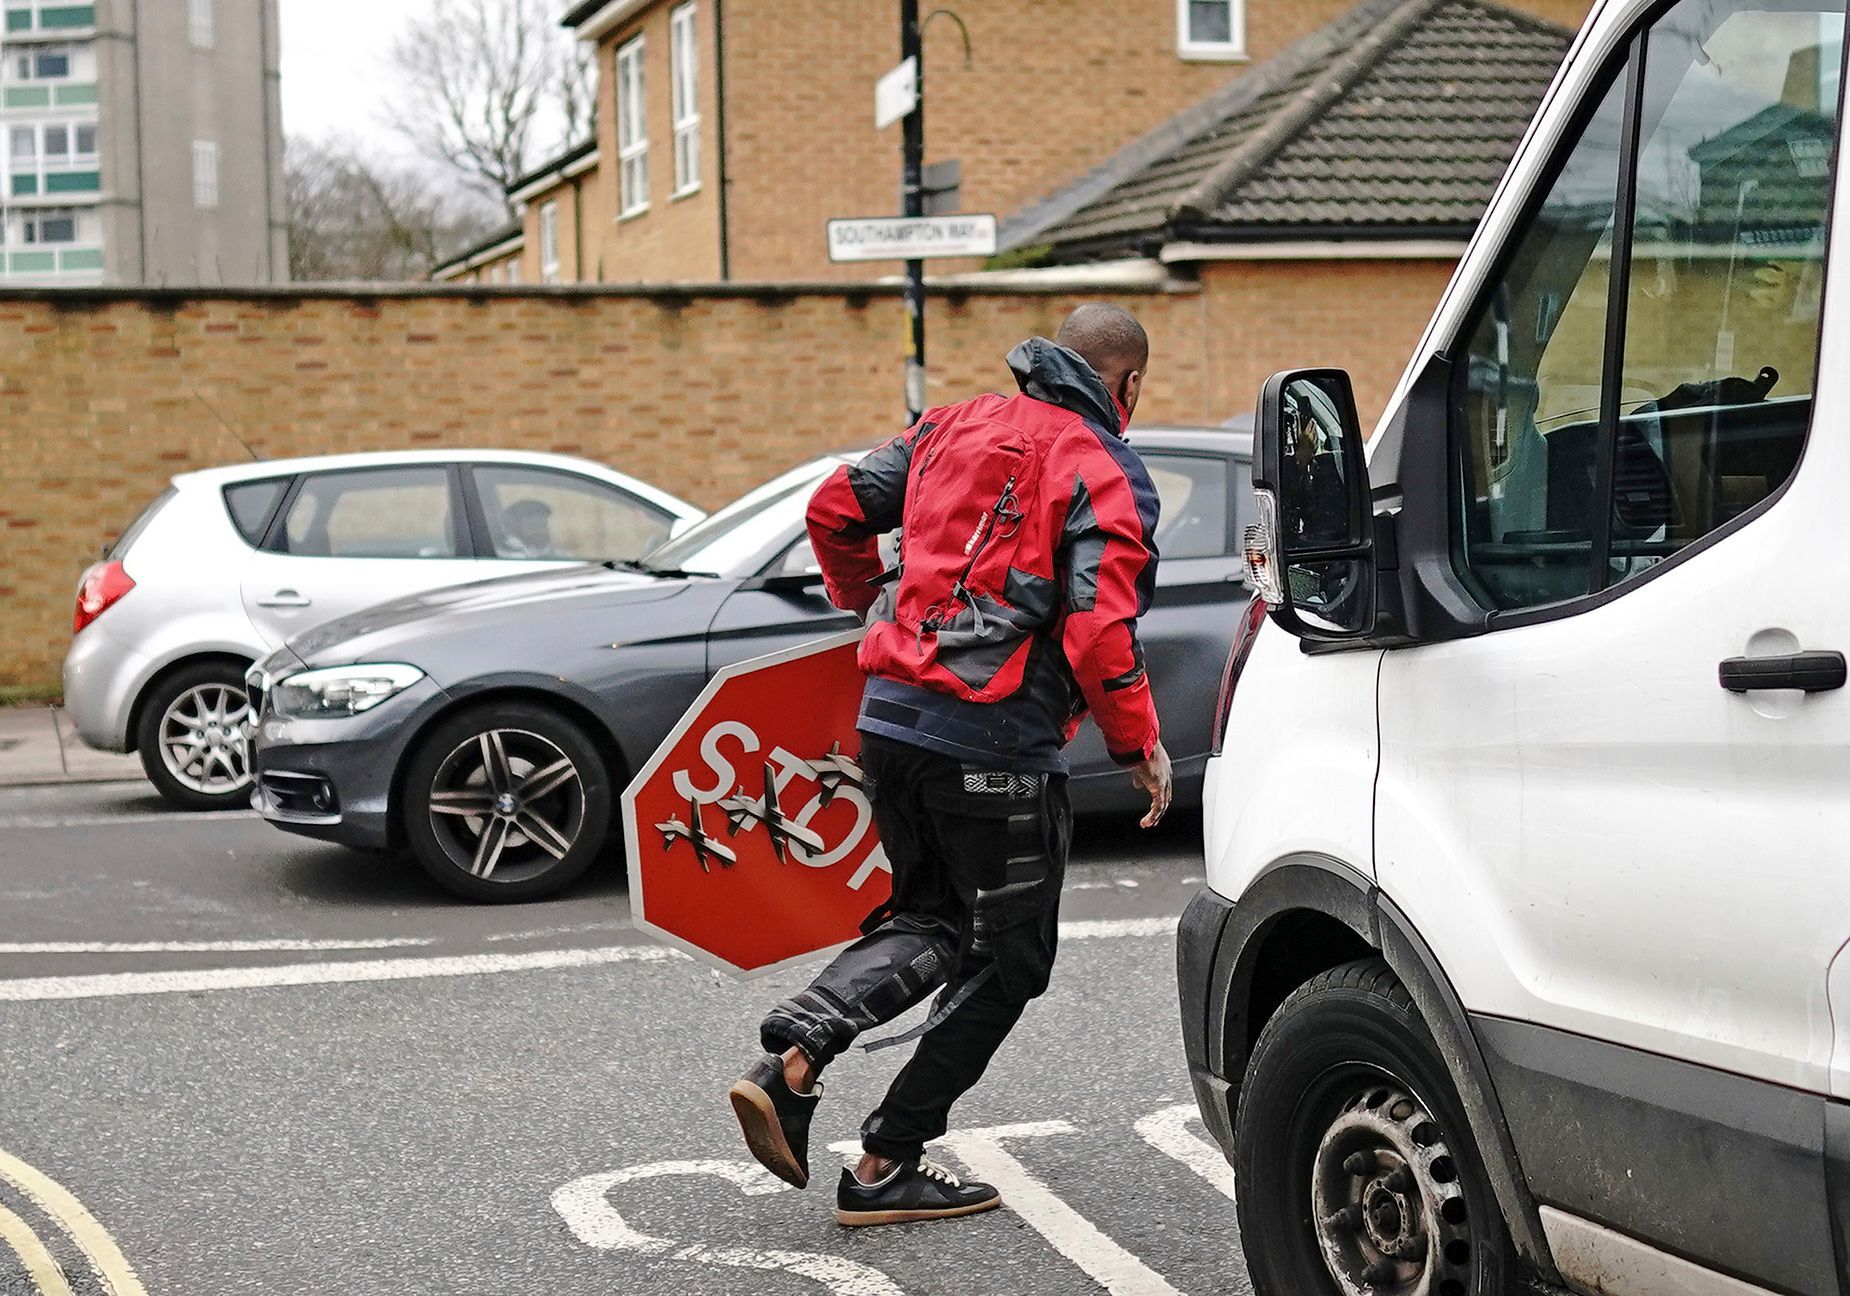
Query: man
1026	557
529	529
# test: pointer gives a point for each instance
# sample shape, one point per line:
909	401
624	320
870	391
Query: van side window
1641	374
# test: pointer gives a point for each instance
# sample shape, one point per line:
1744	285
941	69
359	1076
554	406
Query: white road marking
1066	1230
106	985
42	1270
567	929
584	1205
206	946
1167	1131
115	984
128	820
1117	928
112	1268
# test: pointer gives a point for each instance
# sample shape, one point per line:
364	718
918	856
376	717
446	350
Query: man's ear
1130	390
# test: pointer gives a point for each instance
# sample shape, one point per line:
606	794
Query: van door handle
1809	672
285	598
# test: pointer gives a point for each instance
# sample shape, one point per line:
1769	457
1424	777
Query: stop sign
750	838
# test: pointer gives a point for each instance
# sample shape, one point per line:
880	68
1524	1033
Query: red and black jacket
1026	555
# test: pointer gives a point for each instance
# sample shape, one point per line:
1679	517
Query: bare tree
480	78
353	217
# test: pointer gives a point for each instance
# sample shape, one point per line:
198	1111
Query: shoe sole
764	1135
868	1219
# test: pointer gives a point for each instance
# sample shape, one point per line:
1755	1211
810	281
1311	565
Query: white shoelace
932	1170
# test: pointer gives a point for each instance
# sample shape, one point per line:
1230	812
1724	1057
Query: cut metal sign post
912	50
915	236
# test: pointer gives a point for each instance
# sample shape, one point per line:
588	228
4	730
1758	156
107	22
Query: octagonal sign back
750	838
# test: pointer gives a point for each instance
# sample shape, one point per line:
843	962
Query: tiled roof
1395	120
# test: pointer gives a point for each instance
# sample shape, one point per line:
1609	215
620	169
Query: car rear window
251	505
120	548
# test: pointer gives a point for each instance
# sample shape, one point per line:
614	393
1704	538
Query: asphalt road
235	1062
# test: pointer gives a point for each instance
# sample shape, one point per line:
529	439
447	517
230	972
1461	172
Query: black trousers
978	859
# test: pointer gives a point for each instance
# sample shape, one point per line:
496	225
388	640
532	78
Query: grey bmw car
490	727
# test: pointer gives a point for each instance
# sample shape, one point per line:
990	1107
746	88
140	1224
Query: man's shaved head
1110	339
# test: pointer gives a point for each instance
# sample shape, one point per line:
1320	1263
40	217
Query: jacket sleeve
854	506
1109	557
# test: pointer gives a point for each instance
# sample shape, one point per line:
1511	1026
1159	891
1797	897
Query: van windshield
1581	472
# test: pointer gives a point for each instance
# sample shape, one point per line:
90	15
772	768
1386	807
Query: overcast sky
334	64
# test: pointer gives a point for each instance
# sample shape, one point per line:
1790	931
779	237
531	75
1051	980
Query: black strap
944	1009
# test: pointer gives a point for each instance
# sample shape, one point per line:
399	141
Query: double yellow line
111	1267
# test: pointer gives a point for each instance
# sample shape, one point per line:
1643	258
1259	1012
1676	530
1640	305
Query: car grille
300	796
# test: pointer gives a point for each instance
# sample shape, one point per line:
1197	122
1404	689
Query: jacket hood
1060	376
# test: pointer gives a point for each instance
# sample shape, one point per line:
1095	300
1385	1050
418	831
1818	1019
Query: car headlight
335	691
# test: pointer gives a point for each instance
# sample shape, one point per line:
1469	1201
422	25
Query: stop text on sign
911	238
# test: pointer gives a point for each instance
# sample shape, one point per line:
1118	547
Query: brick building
729	131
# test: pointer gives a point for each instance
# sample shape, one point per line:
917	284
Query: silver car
229	563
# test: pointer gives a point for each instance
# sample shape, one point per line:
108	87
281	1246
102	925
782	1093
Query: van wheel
509	801
1354	1168
192	741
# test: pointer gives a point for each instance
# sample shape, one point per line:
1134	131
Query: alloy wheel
204	744
507	805
1386	1204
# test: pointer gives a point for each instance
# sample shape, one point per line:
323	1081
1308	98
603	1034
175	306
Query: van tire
1350	1137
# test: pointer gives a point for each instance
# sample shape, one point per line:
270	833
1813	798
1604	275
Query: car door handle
1809	672
285	598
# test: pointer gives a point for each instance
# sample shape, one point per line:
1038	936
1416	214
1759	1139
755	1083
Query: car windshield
732	541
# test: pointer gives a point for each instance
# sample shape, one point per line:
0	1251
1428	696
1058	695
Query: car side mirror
1311	549
787	582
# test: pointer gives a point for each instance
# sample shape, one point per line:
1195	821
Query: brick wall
706	391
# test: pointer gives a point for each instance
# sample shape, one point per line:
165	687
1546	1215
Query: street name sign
911	238
896	94
750	838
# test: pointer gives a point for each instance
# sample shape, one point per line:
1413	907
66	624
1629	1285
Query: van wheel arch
1307	914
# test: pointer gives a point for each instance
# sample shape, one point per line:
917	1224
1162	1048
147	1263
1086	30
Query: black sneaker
915	1190
775	1119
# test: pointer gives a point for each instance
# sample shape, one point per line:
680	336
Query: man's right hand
1155	777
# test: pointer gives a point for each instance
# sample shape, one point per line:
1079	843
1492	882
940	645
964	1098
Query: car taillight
102	588
1250	621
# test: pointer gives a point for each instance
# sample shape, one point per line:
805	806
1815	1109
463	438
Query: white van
1528	845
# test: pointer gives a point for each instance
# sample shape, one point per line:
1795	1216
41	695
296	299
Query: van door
1634	874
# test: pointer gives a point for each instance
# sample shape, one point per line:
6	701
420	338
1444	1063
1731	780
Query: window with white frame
684	66
632	132
199	22
205	174
53	146
549	242
512	273
1211	29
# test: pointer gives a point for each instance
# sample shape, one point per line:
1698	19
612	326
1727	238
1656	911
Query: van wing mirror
1311	549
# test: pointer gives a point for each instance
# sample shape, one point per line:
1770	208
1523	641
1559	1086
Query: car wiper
666	573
